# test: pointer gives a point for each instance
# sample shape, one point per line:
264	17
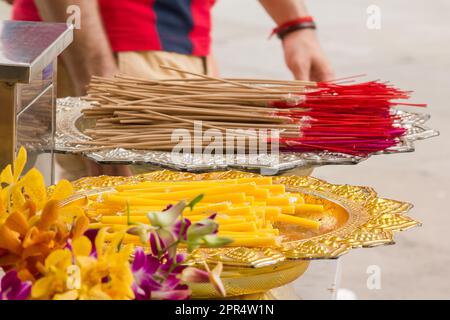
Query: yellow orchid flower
62	190
27	238
112	263
12	193
31	186
104	273
55	276
32	224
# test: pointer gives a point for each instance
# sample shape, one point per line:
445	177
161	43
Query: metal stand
28	68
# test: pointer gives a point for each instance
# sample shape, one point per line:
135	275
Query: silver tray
70	124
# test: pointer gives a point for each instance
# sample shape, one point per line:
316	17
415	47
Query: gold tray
355	217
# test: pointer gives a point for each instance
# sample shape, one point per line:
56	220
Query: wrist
304	35
293	25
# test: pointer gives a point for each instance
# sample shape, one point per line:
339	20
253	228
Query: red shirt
181	26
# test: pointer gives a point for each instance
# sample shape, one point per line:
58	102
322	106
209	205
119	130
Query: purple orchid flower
170	230
204	227
158	278
12	288
164	238
161	274
195	275
168	207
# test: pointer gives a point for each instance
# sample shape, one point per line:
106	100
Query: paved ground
411	49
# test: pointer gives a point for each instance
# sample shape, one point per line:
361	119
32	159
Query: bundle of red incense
355	119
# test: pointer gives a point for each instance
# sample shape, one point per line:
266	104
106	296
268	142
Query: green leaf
213	241
128	213
196	200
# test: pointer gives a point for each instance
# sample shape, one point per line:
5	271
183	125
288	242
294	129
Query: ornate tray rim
372	219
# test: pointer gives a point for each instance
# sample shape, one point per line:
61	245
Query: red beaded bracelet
282	30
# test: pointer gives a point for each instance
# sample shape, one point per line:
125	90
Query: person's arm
90	53
302	51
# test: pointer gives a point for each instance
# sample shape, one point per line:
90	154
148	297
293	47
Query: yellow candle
245	226
235	198
208	208
152	184
245	208
224	219
259	193
239	210
259	232
271	212
290	209
278	201
299	197
254	242
306	223
274	189
308	208
117	199
250	199
186	194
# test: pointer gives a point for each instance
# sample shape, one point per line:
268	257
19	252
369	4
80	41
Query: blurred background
412	50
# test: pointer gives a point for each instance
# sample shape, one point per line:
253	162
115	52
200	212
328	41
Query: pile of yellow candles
247	209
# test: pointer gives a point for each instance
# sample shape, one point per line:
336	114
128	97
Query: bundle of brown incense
142	114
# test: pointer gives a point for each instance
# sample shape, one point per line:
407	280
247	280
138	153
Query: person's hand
305	57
